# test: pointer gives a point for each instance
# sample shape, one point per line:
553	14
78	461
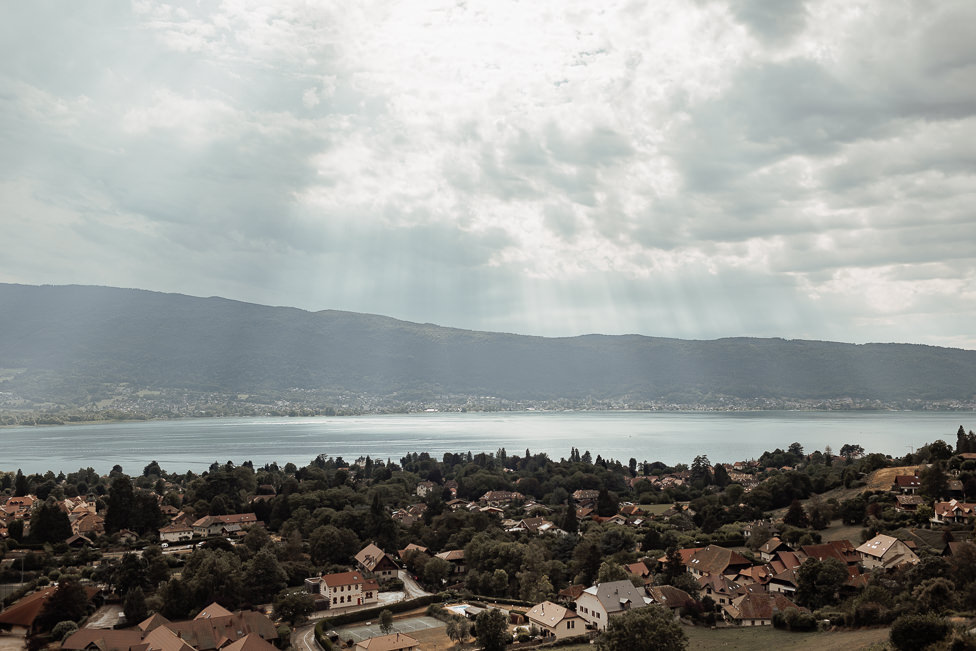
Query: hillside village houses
746	592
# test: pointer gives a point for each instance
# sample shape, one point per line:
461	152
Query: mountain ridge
67	345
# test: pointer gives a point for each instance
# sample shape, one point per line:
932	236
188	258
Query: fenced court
408	626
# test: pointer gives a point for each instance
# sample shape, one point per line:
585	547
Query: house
639	569
456	558
714	559
953	512
90	525
347	589
720	588
412	547
908	503
598	603
20	616
906	484
391	642
374	560
886	552
250	642
670	597
214	628
176	533
842	550
570	594
586	497
771	547
757	609
555	621
500	498
218	525
784	582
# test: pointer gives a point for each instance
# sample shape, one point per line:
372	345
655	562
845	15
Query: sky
695	169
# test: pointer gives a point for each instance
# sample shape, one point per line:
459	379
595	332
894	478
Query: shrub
63	629
911	632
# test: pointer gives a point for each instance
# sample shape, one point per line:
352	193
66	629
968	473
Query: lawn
770	638
655	509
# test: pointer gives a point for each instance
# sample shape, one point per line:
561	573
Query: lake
671	437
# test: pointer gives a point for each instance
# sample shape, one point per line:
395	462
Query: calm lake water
672	437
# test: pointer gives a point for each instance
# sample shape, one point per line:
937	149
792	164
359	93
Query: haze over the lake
693	169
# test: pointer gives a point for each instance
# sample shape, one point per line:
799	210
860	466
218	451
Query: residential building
886	552
218	525
602	601
953	512
555	621
347	589
374	560
756	608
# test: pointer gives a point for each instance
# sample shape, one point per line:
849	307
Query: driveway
411	587
104	617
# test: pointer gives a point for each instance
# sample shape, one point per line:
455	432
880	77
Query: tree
851	451
386	621
933	482
796	450
796	516
264	576
610	571
293	607
701	470
134	606
435	571
491	630
570	523
121	501
68	602
935	595
651	628
817	582
21	487
606	505
49	524
458	629
721	476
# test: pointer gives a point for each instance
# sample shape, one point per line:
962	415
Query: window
570	624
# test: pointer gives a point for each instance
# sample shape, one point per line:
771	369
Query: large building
346	589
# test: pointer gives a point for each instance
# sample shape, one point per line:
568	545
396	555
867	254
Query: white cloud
682	169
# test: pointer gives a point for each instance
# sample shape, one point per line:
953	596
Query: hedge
501	600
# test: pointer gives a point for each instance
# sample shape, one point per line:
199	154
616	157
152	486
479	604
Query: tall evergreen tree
49	524
121	501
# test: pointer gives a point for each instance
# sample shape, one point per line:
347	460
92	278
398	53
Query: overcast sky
688	169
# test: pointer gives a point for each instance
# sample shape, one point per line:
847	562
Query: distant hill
67	343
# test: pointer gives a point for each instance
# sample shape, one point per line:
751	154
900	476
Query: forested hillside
70	344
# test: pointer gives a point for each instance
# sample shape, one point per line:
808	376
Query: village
493	551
